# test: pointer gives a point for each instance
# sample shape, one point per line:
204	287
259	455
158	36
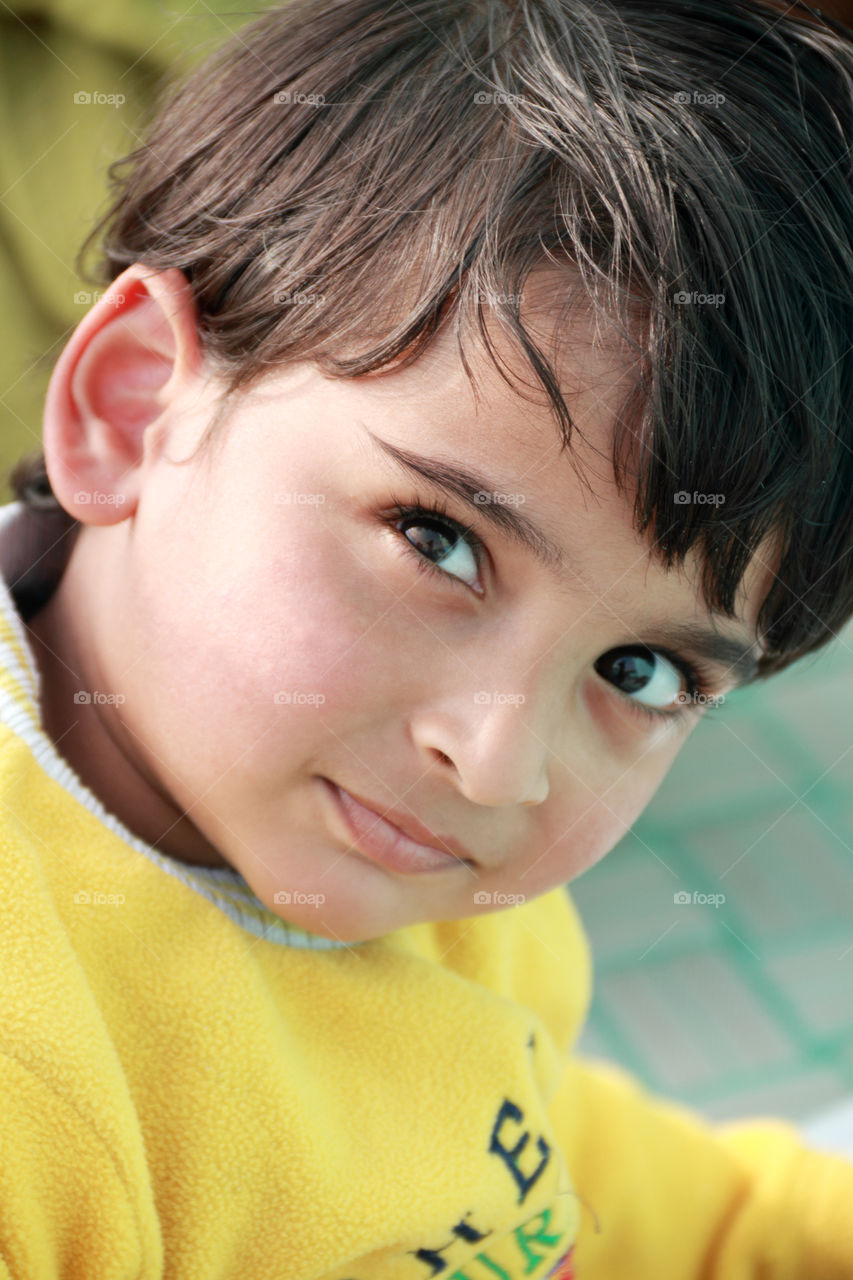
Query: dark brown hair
343	176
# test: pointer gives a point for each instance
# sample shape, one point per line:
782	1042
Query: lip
385	839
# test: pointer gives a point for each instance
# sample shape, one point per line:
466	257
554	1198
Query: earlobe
127	361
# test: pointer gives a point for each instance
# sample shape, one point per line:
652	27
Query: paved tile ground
742	1007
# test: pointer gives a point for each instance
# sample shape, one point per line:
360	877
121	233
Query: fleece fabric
189	1090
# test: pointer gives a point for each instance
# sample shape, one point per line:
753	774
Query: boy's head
358	231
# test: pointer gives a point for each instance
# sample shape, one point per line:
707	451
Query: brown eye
440	544
651	681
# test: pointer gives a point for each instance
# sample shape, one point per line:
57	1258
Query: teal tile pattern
738	999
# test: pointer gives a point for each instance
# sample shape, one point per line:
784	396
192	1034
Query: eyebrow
477	492
735	655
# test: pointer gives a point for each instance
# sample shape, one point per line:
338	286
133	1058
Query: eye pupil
430	537
632	668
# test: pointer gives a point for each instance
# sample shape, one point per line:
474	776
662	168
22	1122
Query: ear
127	361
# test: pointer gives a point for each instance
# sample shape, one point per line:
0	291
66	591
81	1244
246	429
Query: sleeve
665	1195
64	1208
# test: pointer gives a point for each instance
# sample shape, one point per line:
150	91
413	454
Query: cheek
271	655
313	618
589	823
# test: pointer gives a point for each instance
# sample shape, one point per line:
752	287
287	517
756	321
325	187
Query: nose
499	752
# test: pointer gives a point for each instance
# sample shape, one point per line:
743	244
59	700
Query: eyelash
700	681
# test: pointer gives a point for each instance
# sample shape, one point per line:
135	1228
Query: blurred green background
54	151
743	1006
736	1008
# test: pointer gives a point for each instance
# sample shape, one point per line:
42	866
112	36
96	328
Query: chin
342	899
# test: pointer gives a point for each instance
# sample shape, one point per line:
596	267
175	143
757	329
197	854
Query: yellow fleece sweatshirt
190	1090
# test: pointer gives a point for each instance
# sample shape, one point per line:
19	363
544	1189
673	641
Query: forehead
477	407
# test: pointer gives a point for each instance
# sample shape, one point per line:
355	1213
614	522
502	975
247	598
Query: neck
91	735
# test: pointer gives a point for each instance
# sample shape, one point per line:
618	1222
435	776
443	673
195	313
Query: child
312	546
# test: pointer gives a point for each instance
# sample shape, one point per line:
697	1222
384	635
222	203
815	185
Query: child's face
269	630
